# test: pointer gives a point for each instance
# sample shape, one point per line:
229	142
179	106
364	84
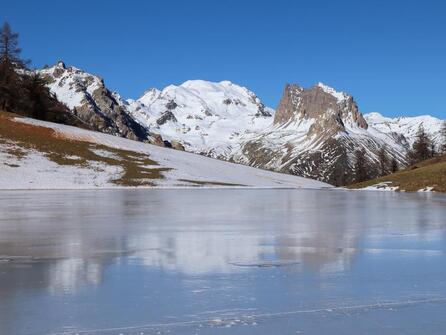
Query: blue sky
390	55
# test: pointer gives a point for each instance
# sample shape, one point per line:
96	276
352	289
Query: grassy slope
430	173
64	151
41	155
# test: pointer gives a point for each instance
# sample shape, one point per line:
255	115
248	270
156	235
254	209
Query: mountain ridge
313	133
90	100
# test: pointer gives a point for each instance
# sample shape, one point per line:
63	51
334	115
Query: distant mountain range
313	133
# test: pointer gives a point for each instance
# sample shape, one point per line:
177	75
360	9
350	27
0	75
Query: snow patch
37	172
427	189
384	186
340	96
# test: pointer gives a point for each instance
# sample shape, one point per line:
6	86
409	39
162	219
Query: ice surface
237	261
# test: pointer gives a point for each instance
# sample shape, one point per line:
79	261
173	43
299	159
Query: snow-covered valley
43	155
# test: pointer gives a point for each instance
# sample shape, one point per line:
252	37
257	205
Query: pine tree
340	173
361	166
37	98
383	160
10	62
422	147
443	138
394	167
9	47
433	149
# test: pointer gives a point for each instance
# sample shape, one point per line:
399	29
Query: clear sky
390	55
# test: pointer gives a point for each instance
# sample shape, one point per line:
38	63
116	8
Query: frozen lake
208	261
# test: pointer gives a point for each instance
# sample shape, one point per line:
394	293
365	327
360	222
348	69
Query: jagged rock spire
320	102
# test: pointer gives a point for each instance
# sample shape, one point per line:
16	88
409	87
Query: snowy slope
406	127
71	85
313	133
206	117
35	171
90	100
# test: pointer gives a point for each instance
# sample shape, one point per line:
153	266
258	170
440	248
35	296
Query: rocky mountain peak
288	104
60	64
90	100
331	110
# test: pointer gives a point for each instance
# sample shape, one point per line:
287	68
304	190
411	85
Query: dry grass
138	169
208	183
430	173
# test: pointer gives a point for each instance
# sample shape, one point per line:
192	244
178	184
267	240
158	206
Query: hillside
205	117
405	129
313	133
41	155
429	175
91	101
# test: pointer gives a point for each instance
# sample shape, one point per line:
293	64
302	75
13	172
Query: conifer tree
383	160
422	147
443	138
340	174
394	167
361	166
9	47
10	62
37	96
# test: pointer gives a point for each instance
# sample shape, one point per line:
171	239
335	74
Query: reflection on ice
201	253
168	259
67	274
202	233
198	253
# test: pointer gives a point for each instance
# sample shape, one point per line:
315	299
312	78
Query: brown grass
75	152
430	173
208	183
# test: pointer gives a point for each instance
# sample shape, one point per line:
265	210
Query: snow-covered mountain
88	98
407	127
317	130
205	117
313	133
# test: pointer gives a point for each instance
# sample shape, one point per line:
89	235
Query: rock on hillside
88	98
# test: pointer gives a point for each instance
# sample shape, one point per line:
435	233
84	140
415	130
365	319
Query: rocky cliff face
88	98
314	134
333	110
